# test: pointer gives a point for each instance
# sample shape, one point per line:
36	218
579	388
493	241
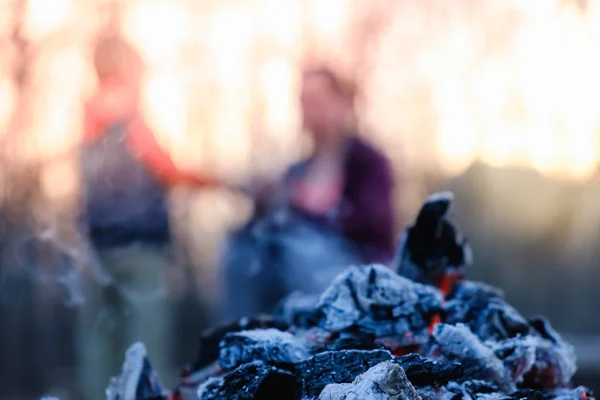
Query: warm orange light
46	16
165	107
534	104
7	103
531	100
158	28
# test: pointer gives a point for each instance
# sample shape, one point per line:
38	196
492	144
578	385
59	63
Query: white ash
376	300
268	345
528	356
457	343
332	367
385	381
483	308
518	355
434	393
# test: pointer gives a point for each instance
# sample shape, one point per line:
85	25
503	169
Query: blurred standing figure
337	211
346	183
125	179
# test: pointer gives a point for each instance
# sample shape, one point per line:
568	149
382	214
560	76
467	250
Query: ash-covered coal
298	309
456	343
433	250
476	390
254	380
534	352
424	372
210	339
385	381
351	342
483	308
537	363
268	345
336	367
373	299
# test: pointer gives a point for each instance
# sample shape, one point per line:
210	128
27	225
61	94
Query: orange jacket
115	100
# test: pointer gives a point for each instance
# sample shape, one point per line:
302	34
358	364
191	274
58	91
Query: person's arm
158	160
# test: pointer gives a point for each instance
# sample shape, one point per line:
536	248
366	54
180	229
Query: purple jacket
366	216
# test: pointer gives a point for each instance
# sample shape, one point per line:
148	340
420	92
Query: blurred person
338	202
126	176
345	183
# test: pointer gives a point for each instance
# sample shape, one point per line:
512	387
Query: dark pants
133	307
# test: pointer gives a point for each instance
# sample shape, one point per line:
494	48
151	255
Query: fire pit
418	330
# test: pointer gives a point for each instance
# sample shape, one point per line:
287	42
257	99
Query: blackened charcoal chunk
252	381
349	340
529	394
456	343
147	386
375	300
433	247
298	309
269	345
336	367
579	393
422	371
319	340
210	388
209	342
537	363
483	308
542	327
384	381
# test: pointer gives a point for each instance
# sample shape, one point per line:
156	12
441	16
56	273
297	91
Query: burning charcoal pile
417	330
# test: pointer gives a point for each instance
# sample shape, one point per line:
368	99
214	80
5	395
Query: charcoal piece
433	248
578	393
542	327
316	339
252	381
456	343
336	367
529	394
351	339
518	355
269	345
298	309
210	388
210	339
422	371
483	308
396	345
138	379
374	300
474	389
434	393
537	363
384	381
191	379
